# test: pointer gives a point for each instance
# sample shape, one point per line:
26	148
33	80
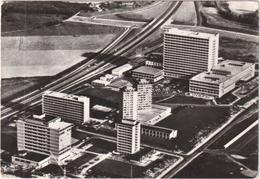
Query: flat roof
64	95
231	68
123	67
210	78
188	33
33	156
147	70
59	125
120	83
40	117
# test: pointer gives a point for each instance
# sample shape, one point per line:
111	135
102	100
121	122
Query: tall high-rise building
69	107
145	90
128	103
187	53
45	135
128	136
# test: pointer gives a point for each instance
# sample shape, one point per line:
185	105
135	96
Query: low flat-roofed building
119	71
31	159
221	79
119	84
154	60
158	132
100	83
153	115
149	73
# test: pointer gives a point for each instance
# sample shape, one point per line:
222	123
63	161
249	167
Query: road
204	147
94	67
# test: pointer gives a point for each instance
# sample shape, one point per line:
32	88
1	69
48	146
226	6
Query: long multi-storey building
45	135
128	103
128	136
69	107
187	53
145	90
221	79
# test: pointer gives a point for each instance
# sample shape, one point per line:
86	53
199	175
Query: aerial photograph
129	89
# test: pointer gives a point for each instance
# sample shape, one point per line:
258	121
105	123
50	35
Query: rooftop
50	121
223	71
210	78
232	66
33	156
64	95
147	70
188	33
123	67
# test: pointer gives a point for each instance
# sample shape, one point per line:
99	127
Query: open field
237	49
17	17
205	167
47	55
68	28
112	168
144	14
212	18
13	86
186	14
193	125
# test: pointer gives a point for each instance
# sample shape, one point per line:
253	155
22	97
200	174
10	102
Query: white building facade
128	103
187	53
145	90
221	79
69	107
45	135
128	137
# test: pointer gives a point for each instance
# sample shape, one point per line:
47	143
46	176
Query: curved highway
93	67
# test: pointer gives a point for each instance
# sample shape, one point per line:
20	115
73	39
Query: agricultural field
186	14
14	86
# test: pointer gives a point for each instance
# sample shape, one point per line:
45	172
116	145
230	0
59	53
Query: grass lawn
193	124
102	146
185	100
226	99
101	96
19	86
112	168
205	167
